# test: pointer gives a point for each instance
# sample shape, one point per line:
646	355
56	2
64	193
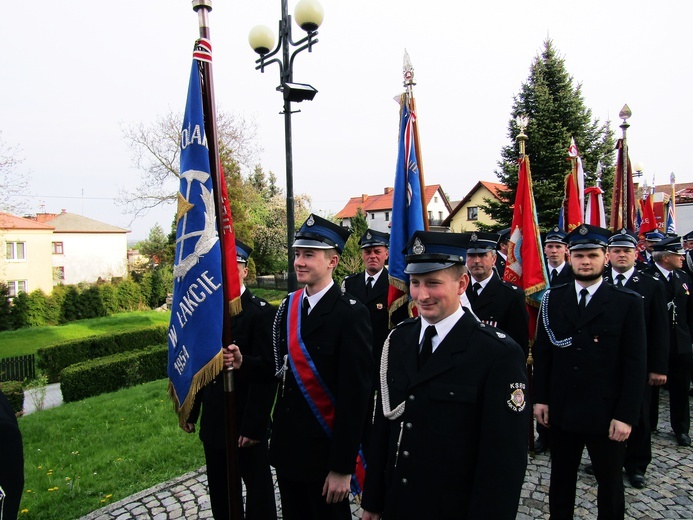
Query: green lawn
27	341
82	456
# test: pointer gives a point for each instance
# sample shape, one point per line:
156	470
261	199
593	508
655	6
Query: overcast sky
73	74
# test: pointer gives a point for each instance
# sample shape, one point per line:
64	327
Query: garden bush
111	373
14	392
52	360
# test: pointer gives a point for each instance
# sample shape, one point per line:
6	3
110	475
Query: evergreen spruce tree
557	113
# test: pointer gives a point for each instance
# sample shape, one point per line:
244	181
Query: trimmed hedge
111	373
14	391
52	360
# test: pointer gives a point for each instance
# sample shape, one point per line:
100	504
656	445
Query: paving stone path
669	491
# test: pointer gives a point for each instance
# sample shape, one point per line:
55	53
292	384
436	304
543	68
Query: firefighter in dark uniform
370	287
251	330
495	302
556	251
323	354
450	436
559	271
668	255
622	273
502	251
589	367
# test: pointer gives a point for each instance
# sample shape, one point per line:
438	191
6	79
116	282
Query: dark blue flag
407	208
195	331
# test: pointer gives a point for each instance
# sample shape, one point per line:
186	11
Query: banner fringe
203	377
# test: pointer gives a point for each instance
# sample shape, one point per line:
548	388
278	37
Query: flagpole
625	115
235	493
408	71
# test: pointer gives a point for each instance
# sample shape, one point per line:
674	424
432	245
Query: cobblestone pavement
669	491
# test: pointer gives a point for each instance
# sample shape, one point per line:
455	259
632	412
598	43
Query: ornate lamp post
309	15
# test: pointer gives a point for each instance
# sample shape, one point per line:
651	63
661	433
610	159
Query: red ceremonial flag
620	199
233	282
525	265
571	205
648	222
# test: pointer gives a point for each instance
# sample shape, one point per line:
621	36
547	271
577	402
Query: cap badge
583	230
474	238
310	221
369	236
623	231
556	229
418	248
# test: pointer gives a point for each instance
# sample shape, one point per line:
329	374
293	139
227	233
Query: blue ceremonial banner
195	332
407	208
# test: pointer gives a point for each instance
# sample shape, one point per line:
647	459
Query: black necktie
427	345
583	300
619	280
369	284
554	275
305	308
477	288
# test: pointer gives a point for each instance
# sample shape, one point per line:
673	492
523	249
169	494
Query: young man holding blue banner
251	331
323	355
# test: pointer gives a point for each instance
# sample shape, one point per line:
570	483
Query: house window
15	287
430	215
440	215
15	250
372	216
57	248
473	213
435	199
59	273
387	216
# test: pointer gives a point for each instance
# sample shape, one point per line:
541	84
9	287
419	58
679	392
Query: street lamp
308	15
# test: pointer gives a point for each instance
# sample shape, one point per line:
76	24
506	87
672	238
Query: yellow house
26	264
468	213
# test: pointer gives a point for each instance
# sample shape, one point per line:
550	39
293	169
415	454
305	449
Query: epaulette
644	274
259	301
408	321
510	285
494	332
348	299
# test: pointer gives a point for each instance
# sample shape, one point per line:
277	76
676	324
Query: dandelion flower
24	511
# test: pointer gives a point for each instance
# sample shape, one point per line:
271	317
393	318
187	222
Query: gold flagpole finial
522	121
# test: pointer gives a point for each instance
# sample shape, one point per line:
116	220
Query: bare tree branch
13	185
156	153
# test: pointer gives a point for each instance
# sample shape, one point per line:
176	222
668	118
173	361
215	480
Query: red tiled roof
8	221
381	202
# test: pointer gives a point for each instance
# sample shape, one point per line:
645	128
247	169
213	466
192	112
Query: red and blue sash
313	388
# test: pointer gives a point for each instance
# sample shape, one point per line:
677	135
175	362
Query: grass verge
27	341
273	296
82	456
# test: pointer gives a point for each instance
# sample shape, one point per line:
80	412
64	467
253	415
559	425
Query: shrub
111	373
109	298
14	392
5	307
52	360
129	296
71	310
91	303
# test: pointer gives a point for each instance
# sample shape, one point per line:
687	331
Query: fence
18	368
